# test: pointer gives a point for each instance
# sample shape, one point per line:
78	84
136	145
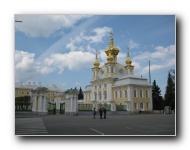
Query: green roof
70	90
40	89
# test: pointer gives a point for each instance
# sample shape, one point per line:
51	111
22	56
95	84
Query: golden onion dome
110	58
96	63
128	61
111	51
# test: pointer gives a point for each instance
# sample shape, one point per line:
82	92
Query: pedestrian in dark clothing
100	111
104	110
94	113
54	110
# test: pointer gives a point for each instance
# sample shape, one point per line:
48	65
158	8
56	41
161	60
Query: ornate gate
62	108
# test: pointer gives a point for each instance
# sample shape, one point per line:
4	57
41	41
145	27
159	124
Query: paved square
120	125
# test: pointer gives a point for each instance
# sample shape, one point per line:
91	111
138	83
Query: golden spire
128	61
112	51
111	45
96	63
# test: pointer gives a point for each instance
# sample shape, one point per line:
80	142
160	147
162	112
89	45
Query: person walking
100	111
104	110
94	112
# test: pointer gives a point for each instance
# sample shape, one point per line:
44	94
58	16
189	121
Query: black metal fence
106	106
62	108
121	107
85	107
51	108
23	106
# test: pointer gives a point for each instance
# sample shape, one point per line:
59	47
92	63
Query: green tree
170	90
156	97
80	95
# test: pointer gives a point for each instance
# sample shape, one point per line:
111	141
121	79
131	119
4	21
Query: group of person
102	112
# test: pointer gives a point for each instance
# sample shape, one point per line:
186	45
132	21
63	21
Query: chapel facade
114	84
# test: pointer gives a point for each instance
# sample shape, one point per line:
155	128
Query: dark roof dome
40	89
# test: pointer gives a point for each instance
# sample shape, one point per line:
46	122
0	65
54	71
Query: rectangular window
146	105
141	105
99	95
105	95
105	85
140	93
95	95
120	94
135	93
135	106
115	94
125	93
146	93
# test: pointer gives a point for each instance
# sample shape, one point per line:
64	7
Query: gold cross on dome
111	34
128	49
96	53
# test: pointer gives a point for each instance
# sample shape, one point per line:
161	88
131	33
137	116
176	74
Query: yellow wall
26	92
119	100
22	92
137	99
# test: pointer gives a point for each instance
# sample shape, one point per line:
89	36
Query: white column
33	103
39	103
44	104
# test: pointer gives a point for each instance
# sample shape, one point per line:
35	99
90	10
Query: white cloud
161	57
159	53
133	44
99	34
26	67
79	42
103	56
73	60
46	25
23	60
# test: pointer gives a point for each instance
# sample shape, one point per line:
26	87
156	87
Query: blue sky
60	49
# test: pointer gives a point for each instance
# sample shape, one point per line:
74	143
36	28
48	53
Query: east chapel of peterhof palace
112	84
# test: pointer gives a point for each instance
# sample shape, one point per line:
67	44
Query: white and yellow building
24	89
114	84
